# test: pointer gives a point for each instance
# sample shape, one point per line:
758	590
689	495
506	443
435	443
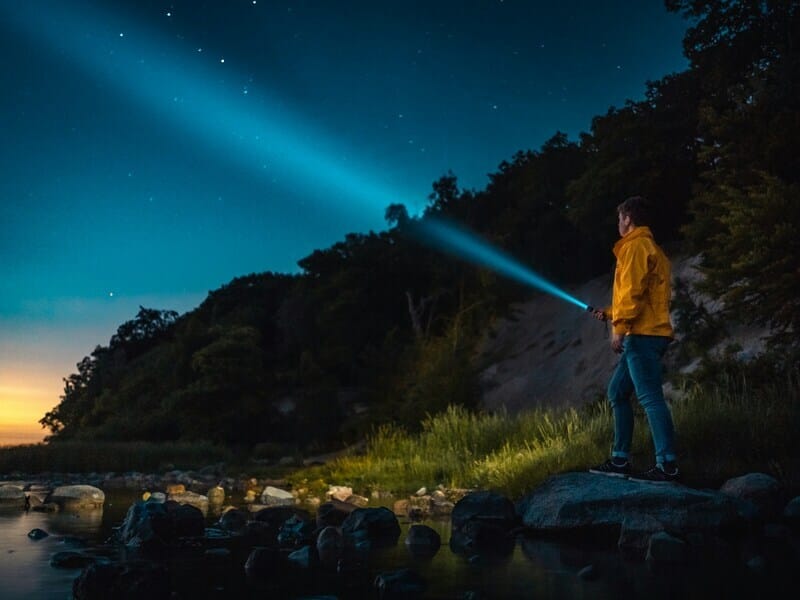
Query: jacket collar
635	233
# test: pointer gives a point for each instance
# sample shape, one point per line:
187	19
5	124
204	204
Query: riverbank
577	533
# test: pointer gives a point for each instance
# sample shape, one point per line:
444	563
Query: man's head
632	213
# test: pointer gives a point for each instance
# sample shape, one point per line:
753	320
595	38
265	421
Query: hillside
549	354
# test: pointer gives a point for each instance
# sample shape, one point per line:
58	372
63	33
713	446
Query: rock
69	559
47	507
484	506
357	500
37	534
233	520
574	501
757	564
278	515
423	491
403	583
188	520
440	505
481	524
303	558
401	507
77	497
588	573
422	541
791	513
158	497
272	496
329	546
125	581
199	501
265	564
333	512
761	489
339	492
374	525
216	495
151	526
267	523
666	548
12	496
295	532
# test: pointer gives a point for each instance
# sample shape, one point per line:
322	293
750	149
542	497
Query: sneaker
657	474
613	469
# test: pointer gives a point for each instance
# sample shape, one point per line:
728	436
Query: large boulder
77	497
12	496
762	490
376	526
152	525
575	501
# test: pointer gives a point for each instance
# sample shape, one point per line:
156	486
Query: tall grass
84	457
723	431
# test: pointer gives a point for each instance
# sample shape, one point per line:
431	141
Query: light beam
458	242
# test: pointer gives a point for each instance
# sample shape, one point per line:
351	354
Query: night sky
152	151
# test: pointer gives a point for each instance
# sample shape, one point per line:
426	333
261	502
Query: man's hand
599	315
616	342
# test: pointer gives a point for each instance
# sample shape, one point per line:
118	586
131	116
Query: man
639	314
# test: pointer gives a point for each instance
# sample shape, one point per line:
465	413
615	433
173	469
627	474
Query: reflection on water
25	571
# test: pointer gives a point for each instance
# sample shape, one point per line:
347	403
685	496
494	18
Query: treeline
381	328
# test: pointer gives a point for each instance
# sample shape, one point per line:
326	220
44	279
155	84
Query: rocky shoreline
273	539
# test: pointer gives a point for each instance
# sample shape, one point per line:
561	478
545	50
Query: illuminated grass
723	432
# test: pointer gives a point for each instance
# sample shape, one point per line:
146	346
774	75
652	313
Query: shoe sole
607	474
651	481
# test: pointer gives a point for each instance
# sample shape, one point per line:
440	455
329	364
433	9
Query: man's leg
620	388
644	362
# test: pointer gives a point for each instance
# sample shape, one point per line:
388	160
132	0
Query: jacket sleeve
632	285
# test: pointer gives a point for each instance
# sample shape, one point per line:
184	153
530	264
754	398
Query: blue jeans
639	369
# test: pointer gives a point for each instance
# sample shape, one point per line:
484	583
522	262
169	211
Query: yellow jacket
642	286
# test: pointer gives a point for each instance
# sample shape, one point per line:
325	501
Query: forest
379	328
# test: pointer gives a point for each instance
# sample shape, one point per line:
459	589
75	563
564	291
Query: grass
723	431
83	457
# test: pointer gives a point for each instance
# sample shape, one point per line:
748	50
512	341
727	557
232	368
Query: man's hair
637	208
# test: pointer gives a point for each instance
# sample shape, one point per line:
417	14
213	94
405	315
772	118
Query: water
535	568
